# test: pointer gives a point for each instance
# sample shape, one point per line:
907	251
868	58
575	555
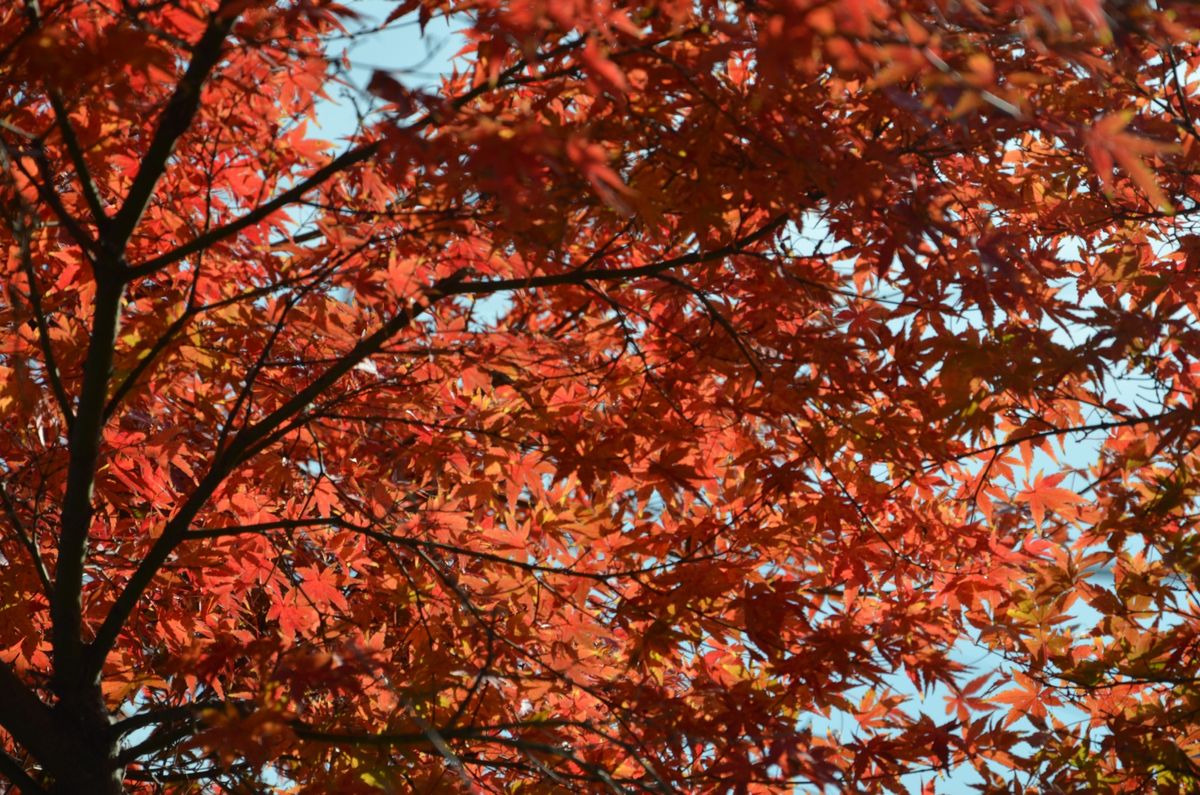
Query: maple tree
664	401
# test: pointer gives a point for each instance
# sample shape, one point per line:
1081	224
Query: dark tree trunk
89	762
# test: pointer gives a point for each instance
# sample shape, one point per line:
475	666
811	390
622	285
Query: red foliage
664	403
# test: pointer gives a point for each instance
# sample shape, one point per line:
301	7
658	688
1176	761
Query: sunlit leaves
672	398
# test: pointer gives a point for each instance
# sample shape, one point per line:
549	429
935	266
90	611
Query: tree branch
27	540
1096	426
388	538
176	118
617	274
91	194
66	605
39	318
214	236
14	771
27	719
51	197
312	734
167	715
747	353
143	364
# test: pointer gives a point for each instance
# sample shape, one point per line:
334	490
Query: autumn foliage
678	397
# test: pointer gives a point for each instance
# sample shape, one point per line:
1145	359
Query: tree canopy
676	397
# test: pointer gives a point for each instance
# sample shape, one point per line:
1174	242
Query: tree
663	403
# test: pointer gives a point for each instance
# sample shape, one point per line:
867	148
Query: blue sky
414	60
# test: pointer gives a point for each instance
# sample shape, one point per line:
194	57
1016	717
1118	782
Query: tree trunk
90	765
